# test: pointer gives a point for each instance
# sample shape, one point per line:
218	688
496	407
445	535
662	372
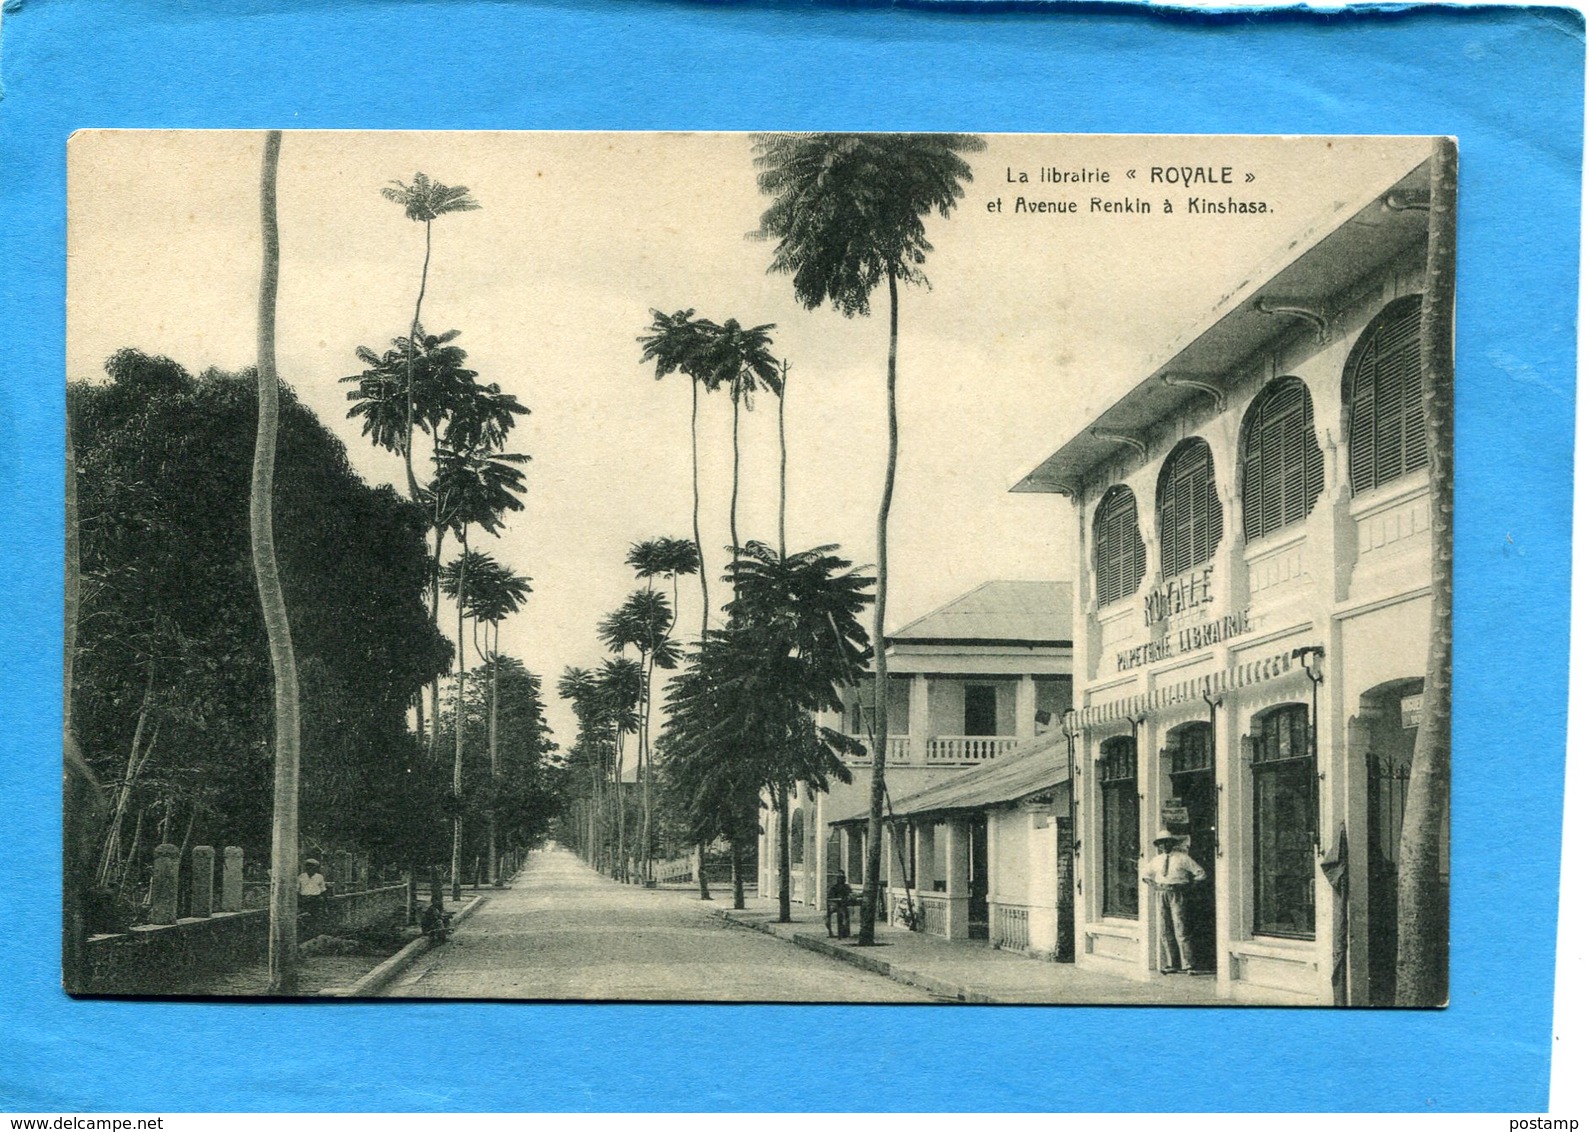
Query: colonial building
968	683
1252	619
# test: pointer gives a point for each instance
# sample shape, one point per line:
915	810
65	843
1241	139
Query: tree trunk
458	717
733	506
783	856
284	824
783	464
494	862
874	821
695	511
413	332
1422	909
737	868
435	613
700	870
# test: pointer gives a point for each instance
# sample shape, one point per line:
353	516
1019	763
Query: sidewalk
970	971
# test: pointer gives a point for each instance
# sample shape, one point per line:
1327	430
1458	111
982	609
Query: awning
1036	766
1212	685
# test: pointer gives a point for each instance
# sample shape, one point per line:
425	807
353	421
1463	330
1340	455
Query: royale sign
1178	595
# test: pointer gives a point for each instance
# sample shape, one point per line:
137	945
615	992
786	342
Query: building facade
1253	618
968	682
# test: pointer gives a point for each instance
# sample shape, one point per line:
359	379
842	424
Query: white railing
676	871
967	748
898	749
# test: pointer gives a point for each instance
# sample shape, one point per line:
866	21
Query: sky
1033	323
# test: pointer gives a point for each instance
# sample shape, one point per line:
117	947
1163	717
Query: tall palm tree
618	683
578	686
423	201
493	594
783	454
652	559
1423	908
283	947
472	488
742	361
681	343
847	215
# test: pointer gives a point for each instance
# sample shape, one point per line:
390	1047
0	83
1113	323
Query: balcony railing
968	748
943	749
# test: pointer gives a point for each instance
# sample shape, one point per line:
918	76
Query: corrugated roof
1035	766
1028	612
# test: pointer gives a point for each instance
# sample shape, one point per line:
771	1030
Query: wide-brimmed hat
1165	835
310	861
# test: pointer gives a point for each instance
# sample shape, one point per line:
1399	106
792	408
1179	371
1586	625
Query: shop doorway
1193	813
977	906
1388	725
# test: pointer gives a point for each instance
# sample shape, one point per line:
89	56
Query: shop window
1191	748
1191	520
1117	783
1119	558
1283	815
1384	398
1282	467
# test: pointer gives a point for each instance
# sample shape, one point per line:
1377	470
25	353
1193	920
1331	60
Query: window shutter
1386	439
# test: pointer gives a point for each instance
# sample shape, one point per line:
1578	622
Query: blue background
1508	83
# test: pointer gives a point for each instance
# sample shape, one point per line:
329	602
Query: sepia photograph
757	567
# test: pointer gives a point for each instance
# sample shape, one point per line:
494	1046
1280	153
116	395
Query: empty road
564	932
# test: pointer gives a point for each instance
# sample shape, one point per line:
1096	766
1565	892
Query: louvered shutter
1386	437
1284	466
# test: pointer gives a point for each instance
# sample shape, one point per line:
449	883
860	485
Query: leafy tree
848	214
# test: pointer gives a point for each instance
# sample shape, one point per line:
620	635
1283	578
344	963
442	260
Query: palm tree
1423	907
578	686
283	948
680	343
472	488
847	214
618	691
652	559
493	594
423	201
742	360
783	453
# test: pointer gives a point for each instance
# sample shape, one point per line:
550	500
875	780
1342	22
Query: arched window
1119	558
1191	521
1121	812
1283	819
1383	391
1282	467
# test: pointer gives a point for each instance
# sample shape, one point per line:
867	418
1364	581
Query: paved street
564	932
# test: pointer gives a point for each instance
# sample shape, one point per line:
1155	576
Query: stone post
163	886
957	877
342	870
201	893
361	873
232	879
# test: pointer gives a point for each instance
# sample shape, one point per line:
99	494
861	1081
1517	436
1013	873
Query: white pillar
920	717
1026	707
957	870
